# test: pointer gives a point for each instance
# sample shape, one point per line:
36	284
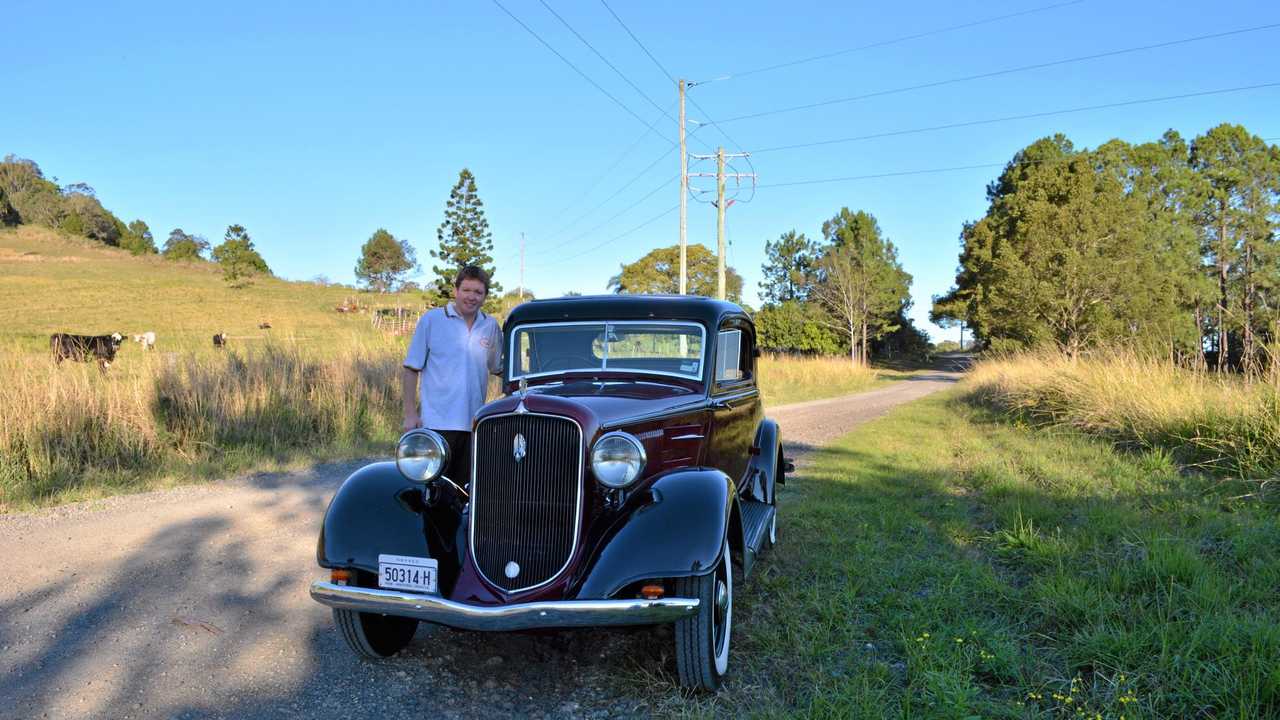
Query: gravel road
192	603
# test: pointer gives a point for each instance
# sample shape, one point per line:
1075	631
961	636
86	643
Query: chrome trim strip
691	436
520	616
702	357
577	508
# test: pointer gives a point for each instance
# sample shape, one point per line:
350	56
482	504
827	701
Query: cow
264	325
147	340
99	348
220	340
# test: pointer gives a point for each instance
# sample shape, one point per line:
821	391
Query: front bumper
522	616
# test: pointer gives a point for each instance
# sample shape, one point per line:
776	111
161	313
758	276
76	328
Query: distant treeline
1166	246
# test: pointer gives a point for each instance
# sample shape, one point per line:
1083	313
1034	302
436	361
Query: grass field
944	563
796	379
55	283
1222	424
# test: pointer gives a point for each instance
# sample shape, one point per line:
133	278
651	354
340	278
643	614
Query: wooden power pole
720	176
684	198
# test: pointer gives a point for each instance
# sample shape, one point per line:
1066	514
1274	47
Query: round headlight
617	459
421	455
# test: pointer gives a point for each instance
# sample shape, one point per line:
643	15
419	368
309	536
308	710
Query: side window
733	356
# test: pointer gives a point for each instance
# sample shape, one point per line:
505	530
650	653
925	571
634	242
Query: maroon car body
621	479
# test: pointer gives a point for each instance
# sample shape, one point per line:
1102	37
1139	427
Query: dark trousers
459	467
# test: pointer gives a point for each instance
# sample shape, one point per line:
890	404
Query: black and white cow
99	348
220	340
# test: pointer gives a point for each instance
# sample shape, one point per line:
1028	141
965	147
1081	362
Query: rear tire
702	641
374	636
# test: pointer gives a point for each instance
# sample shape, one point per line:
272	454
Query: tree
860	282
384	261
464	237
137	239
35	199
181	246
1238	219
797	327
788	268
8	215
238	258
659	273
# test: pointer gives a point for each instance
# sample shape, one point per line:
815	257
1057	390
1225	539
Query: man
446	370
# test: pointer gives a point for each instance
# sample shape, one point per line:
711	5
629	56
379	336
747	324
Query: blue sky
313	126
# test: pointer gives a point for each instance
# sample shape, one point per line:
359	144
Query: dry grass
787	379
69	431
1218	423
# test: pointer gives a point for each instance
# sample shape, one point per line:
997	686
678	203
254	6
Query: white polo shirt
455	362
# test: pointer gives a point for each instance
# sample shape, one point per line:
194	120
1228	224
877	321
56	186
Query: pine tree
788	268
464	237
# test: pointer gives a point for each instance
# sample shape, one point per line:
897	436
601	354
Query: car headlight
421	455
617	459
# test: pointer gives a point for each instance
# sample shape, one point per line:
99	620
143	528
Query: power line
586	77
1008	118
595	181
637	41
616	238
893	41
606	60
672	78
615	216
615	193
997	73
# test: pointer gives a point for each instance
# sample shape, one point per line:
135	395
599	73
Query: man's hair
472	272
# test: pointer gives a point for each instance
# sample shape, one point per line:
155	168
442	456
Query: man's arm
409	396
495	350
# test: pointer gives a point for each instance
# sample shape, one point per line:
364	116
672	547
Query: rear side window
730	357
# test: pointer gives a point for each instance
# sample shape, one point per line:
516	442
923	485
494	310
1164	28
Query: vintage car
627	477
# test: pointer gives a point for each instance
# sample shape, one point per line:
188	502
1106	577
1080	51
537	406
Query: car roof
707	311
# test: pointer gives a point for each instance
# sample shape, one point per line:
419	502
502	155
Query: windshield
664	348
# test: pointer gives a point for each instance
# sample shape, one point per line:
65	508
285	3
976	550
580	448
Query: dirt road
192	603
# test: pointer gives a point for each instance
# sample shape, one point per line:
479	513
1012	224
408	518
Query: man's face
469	296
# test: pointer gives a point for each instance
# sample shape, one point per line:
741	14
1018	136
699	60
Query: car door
735	400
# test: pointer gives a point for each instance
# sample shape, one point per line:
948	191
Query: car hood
609	402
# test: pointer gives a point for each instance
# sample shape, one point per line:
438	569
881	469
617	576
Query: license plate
401	572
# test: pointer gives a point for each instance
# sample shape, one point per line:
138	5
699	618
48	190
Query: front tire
374	636
702	641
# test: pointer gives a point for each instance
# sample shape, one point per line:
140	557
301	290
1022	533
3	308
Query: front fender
675	527
377	510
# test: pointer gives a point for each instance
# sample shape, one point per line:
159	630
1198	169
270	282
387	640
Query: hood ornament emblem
519	448
521	391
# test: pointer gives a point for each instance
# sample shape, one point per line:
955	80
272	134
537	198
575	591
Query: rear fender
675	527
377	510
763	471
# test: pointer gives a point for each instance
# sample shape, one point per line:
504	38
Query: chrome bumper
560	613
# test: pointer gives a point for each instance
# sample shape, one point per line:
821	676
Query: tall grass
67	431
786	379
1215	422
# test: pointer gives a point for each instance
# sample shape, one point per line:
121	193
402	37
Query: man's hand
411	422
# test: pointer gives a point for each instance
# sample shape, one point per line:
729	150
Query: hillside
59	283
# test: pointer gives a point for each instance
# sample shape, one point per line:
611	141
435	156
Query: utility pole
684	197
521	292
720	176
720	222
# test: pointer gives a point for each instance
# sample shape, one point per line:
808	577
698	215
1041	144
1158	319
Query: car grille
525	511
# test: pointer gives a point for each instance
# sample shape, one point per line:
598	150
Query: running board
757	517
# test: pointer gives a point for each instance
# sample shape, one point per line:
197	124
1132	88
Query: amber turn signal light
652	592
339	577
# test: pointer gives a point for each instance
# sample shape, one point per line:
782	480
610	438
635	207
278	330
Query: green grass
784	379
67	284
943	563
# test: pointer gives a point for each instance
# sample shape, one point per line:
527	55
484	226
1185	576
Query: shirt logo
519	448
